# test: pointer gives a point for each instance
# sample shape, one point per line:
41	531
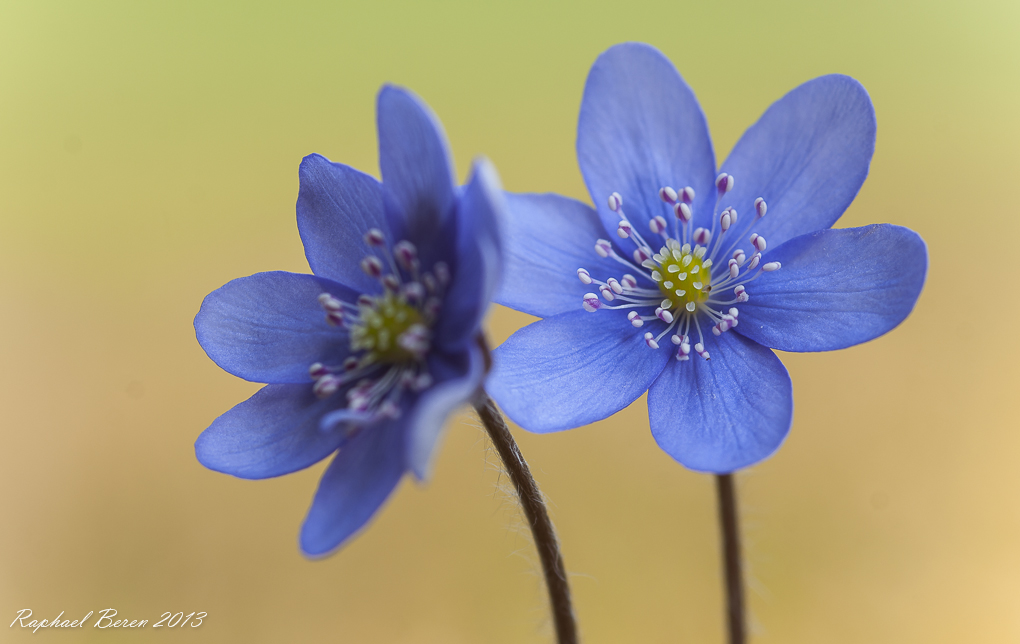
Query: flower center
390	330
686	292
390	335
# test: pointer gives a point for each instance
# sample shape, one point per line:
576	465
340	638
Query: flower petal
269	327
807	156
547	238
479	259
572	369
336	206
457	379
836	288
725	413
358	481
417	170
274	432
641	128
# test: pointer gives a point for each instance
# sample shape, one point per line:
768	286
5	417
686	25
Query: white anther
734	268
702	235
771	266
372	266
734	312
603	248
635	319
639	256
391	282
664	315
613	284
624	229
680	292
350	363
759	243
716	331
629	281
724	220
375	237
406	255
700	349
650	341
657	224
591	302
584	276
760	207
743	297
677	339
329	302
753	264
317	370
681	276
724	183
442	272
682	211
335	318
740	257
607	293
733	216
615	202
687	195
365	300
414	292
326	386
668	284
691	306
667	194
666	304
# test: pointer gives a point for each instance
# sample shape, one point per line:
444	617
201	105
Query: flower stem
538	519
731	558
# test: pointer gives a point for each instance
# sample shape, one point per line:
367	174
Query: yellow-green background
149	153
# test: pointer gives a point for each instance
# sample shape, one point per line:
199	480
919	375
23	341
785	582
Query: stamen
591	302
635	319
650	341
760	207
724	183
374	237
372	266
687	195
615	202
584	276
668	195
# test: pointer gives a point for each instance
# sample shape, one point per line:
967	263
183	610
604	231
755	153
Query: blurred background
149	154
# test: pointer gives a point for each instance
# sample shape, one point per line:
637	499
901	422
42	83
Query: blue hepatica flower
688	299
368	356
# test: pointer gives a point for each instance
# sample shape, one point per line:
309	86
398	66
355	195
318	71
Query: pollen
390	329
690	279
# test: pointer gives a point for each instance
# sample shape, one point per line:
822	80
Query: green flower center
683	278
390	330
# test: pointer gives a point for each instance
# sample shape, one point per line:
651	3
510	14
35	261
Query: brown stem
731	558
538	519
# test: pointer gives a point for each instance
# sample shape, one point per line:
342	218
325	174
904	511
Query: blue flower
688	298
367	357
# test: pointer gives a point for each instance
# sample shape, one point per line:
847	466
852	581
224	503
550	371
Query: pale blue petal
722	414
274	432
457	378
336	206
836	288
807	156
479	260
641	128
417	170
357	482
572	369
270	327
549	237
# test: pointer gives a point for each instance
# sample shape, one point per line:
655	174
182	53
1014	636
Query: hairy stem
731	558
538	519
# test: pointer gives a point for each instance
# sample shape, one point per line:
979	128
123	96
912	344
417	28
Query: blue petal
457	379
807	156
547	238
641	128
356	483
837	288
479	260
336	206
417	171
269	327
572	369
274	432
725	413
